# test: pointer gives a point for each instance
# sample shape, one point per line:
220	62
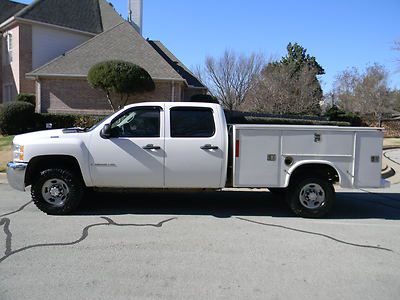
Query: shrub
204	98
30	98
121	77
336	114
59	121
16	118
242	119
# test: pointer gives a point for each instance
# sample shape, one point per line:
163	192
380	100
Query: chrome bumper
16	175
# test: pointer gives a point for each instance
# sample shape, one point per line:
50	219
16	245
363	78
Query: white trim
36	76
6	22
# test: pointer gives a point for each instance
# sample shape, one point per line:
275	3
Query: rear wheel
57	191
311	197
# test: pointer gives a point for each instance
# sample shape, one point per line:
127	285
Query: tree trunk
109	101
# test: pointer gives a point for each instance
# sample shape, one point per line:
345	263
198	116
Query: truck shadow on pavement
360	205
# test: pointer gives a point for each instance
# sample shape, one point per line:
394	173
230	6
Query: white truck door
134	156
194	146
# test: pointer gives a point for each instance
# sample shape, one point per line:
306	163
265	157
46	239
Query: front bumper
16	175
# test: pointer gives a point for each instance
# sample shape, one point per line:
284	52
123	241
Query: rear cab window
192	122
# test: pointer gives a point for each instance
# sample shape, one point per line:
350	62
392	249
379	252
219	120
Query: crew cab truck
170	146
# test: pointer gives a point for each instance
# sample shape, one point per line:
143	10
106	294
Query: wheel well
320	170
41	163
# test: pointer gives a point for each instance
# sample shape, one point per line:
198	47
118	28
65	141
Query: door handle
209	147
151	147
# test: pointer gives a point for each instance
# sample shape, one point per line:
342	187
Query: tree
397	48
120	80
288	86
367	93
231	77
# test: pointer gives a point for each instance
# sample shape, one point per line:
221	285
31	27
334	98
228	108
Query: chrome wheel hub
55	191
312	196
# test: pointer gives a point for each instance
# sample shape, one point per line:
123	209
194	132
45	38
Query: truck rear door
194	147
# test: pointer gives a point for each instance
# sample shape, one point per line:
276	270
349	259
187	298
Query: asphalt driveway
201	246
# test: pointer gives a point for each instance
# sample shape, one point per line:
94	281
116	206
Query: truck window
138	122
194	122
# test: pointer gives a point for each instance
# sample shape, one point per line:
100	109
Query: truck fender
309	162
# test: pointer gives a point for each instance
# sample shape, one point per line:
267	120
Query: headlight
18	152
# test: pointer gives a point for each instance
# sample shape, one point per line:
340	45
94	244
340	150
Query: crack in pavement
85	233
317	234
18	210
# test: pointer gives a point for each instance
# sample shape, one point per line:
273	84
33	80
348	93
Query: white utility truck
188	146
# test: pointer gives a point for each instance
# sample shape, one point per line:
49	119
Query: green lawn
5	151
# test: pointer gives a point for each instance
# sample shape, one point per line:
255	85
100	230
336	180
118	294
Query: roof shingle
122	42
8	9
94	16
176	64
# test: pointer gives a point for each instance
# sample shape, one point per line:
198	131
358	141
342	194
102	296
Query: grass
5	151
391	142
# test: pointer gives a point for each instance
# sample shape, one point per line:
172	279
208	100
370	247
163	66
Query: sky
339	33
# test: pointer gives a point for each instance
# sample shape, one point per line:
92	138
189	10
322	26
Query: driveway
200	246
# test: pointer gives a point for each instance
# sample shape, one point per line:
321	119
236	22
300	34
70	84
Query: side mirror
106	131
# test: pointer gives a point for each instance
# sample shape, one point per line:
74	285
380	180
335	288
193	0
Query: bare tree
231	77
279	91
367	94
397	48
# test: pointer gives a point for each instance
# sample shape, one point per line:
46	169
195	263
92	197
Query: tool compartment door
257	158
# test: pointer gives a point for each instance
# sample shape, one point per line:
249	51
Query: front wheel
57	191
311	197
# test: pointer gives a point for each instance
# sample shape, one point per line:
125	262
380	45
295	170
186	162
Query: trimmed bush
17	117
204	98
59	121
30	98
283	121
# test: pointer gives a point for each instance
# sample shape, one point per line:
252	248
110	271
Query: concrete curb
3	178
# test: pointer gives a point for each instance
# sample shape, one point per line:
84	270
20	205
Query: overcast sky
339	33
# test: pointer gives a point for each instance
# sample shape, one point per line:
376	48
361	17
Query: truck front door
134	155
194	147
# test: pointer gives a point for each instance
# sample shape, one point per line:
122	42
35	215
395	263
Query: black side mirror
106	131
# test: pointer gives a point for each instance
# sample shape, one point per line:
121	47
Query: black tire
70	181
317	186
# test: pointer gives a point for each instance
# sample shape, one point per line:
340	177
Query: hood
45	134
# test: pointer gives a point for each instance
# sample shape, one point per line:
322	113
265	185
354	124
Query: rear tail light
237	149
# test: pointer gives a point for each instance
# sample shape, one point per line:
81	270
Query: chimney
135	16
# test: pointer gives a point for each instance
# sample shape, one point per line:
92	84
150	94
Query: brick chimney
135	14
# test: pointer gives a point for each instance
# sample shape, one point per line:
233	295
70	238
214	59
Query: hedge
30	98
66	120
16	117
283	121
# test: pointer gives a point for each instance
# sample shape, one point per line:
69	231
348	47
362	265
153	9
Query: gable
92	16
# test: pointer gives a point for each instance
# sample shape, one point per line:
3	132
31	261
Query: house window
7	92
9	47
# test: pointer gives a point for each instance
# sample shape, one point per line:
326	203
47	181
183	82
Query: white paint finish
189	166
368	173
180	163
49	43
253	167
336	148
122	162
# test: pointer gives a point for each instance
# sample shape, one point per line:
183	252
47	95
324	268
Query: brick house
49	46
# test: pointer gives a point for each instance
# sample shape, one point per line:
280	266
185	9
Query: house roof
176	64
122	42
94	16
8	9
